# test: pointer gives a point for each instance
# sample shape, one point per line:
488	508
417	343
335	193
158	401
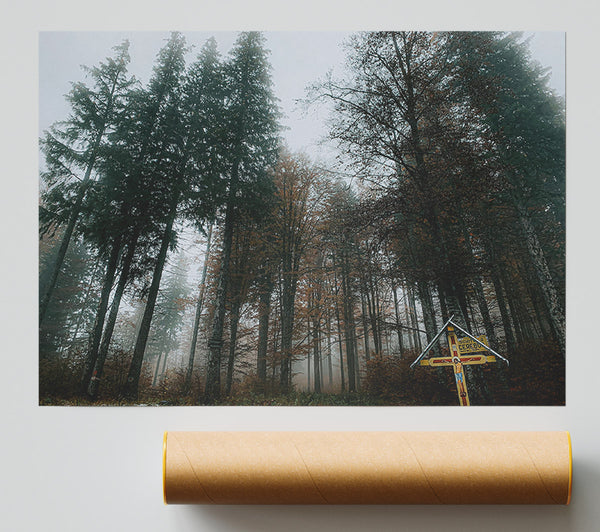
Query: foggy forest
188	256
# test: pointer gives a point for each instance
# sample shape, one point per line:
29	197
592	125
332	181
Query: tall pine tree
252	142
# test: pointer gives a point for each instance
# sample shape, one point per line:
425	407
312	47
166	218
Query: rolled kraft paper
367	467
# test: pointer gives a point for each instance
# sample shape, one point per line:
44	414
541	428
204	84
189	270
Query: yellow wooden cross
459	356
457	361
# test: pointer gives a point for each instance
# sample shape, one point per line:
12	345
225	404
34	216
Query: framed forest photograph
302	218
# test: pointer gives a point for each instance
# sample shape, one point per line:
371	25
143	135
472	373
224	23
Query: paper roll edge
570	467
164	467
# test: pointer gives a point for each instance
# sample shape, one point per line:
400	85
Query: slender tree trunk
85	301
317	353
411	340
276	349
233	330
329	363
73	216
308	355
348	320
163	370
287	325
464	306
479	292
157	368
356	355
316	329
199	306
339	334
365	324
212	390
94	343
264	311
94	383
452	303
538	259
398	323
320	365
372	307
506	323
516	319
428	313
378	315
443	305
413	319
76	210
374	313
485	313
62	250
495	275
541	315
130	391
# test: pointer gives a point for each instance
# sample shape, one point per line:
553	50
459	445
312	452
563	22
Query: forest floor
293	399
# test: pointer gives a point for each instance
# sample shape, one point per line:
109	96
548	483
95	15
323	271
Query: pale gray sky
298	60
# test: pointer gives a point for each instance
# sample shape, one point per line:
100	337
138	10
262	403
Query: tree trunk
308	373
157	368
356	355
479	292
538	259
94	383
264	311
443	305
287	324
398	323
85	183
317	353
339	334
428	313
411	340
233	329
485	313
347	307
515	318
276	349
163	370
329	362
212	390
85	302
464	306
94	343
373	314
130	390
378	317
414	319
199	306
364	319
506	324
75	211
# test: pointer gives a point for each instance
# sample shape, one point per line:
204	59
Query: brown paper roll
367	467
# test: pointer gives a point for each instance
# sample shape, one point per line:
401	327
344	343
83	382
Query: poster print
374	218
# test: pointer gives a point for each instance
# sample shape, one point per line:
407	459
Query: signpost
459	356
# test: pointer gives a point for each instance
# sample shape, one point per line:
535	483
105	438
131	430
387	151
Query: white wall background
96	469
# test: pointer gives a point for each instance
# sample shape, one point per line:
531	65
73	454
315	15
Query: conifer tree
252	142
72	149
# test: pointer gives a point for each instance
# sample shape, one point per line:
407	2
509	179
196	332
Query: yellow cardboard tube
367	468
